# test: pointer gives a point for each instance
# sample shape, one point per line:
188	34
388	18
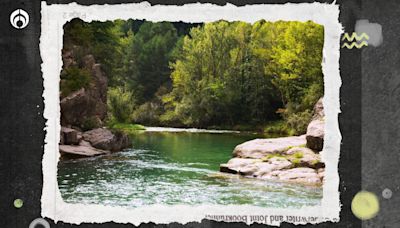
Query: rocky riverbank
83	113
99	141
288	159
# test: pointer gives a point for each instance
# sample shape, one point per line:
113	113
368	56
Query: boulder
315	135
286	159
104	139
315	130
254	167
79	151
235	164
70	136
259	148
226	169
249	170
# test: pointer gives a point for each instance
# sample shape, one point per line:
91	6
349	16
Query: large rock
259	148
69	136
254	167
315	135
315	130
79	151
86	107
285	159
104	139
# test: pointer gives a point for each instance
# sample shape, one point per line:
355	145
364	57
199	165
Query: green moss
314	162
296	162
269	156
298	155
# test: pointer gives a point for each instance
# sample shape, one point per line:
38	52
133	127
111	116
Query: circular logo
19	19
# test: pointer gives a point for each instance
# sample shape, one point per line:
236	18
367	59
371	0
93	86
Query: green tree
152	48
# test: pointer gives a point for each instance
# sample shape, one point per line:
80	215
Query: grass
278	127
127	128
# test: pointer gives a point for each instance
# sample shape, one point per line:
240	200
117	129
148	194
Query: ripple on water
162	170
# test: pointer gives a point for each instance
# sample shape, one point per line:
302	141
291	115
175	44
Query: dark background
369	122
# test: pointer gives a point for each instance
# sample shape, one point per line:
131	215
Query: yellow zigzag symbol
354	44
354	36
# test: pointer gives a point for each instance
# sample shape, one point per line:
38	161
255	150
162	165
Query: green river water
174	168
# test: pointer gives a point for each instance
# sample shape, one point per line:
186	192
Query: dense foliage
220	74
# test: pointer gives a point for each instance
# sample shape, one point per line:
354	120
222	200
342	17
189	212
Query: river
174	168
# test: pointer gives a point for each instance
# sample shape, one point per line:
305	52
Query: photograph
177	113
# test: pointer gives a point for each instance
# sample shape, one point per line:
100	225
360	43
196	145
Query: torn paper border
51	42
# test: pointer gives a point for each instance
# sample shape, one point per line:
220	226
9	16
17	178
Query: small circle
39	221
18	203
365	205
387	193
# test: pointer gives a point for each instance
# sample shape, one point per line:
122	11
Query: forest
264	76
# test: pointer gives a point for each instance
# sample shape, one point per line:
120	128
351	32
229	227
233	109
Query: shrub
299	121
277	128
148	113
73	79
91	123
169	118
120	104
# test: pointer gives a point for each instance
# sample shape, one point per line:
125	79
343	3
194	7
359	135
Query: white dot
387	193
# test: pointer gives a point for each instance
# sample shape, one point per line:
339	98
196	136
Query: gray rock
315	135
259	148
69	136
315	130
104	139
79	151
249	170
297	175
226	169
273	164
254	167
87	104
